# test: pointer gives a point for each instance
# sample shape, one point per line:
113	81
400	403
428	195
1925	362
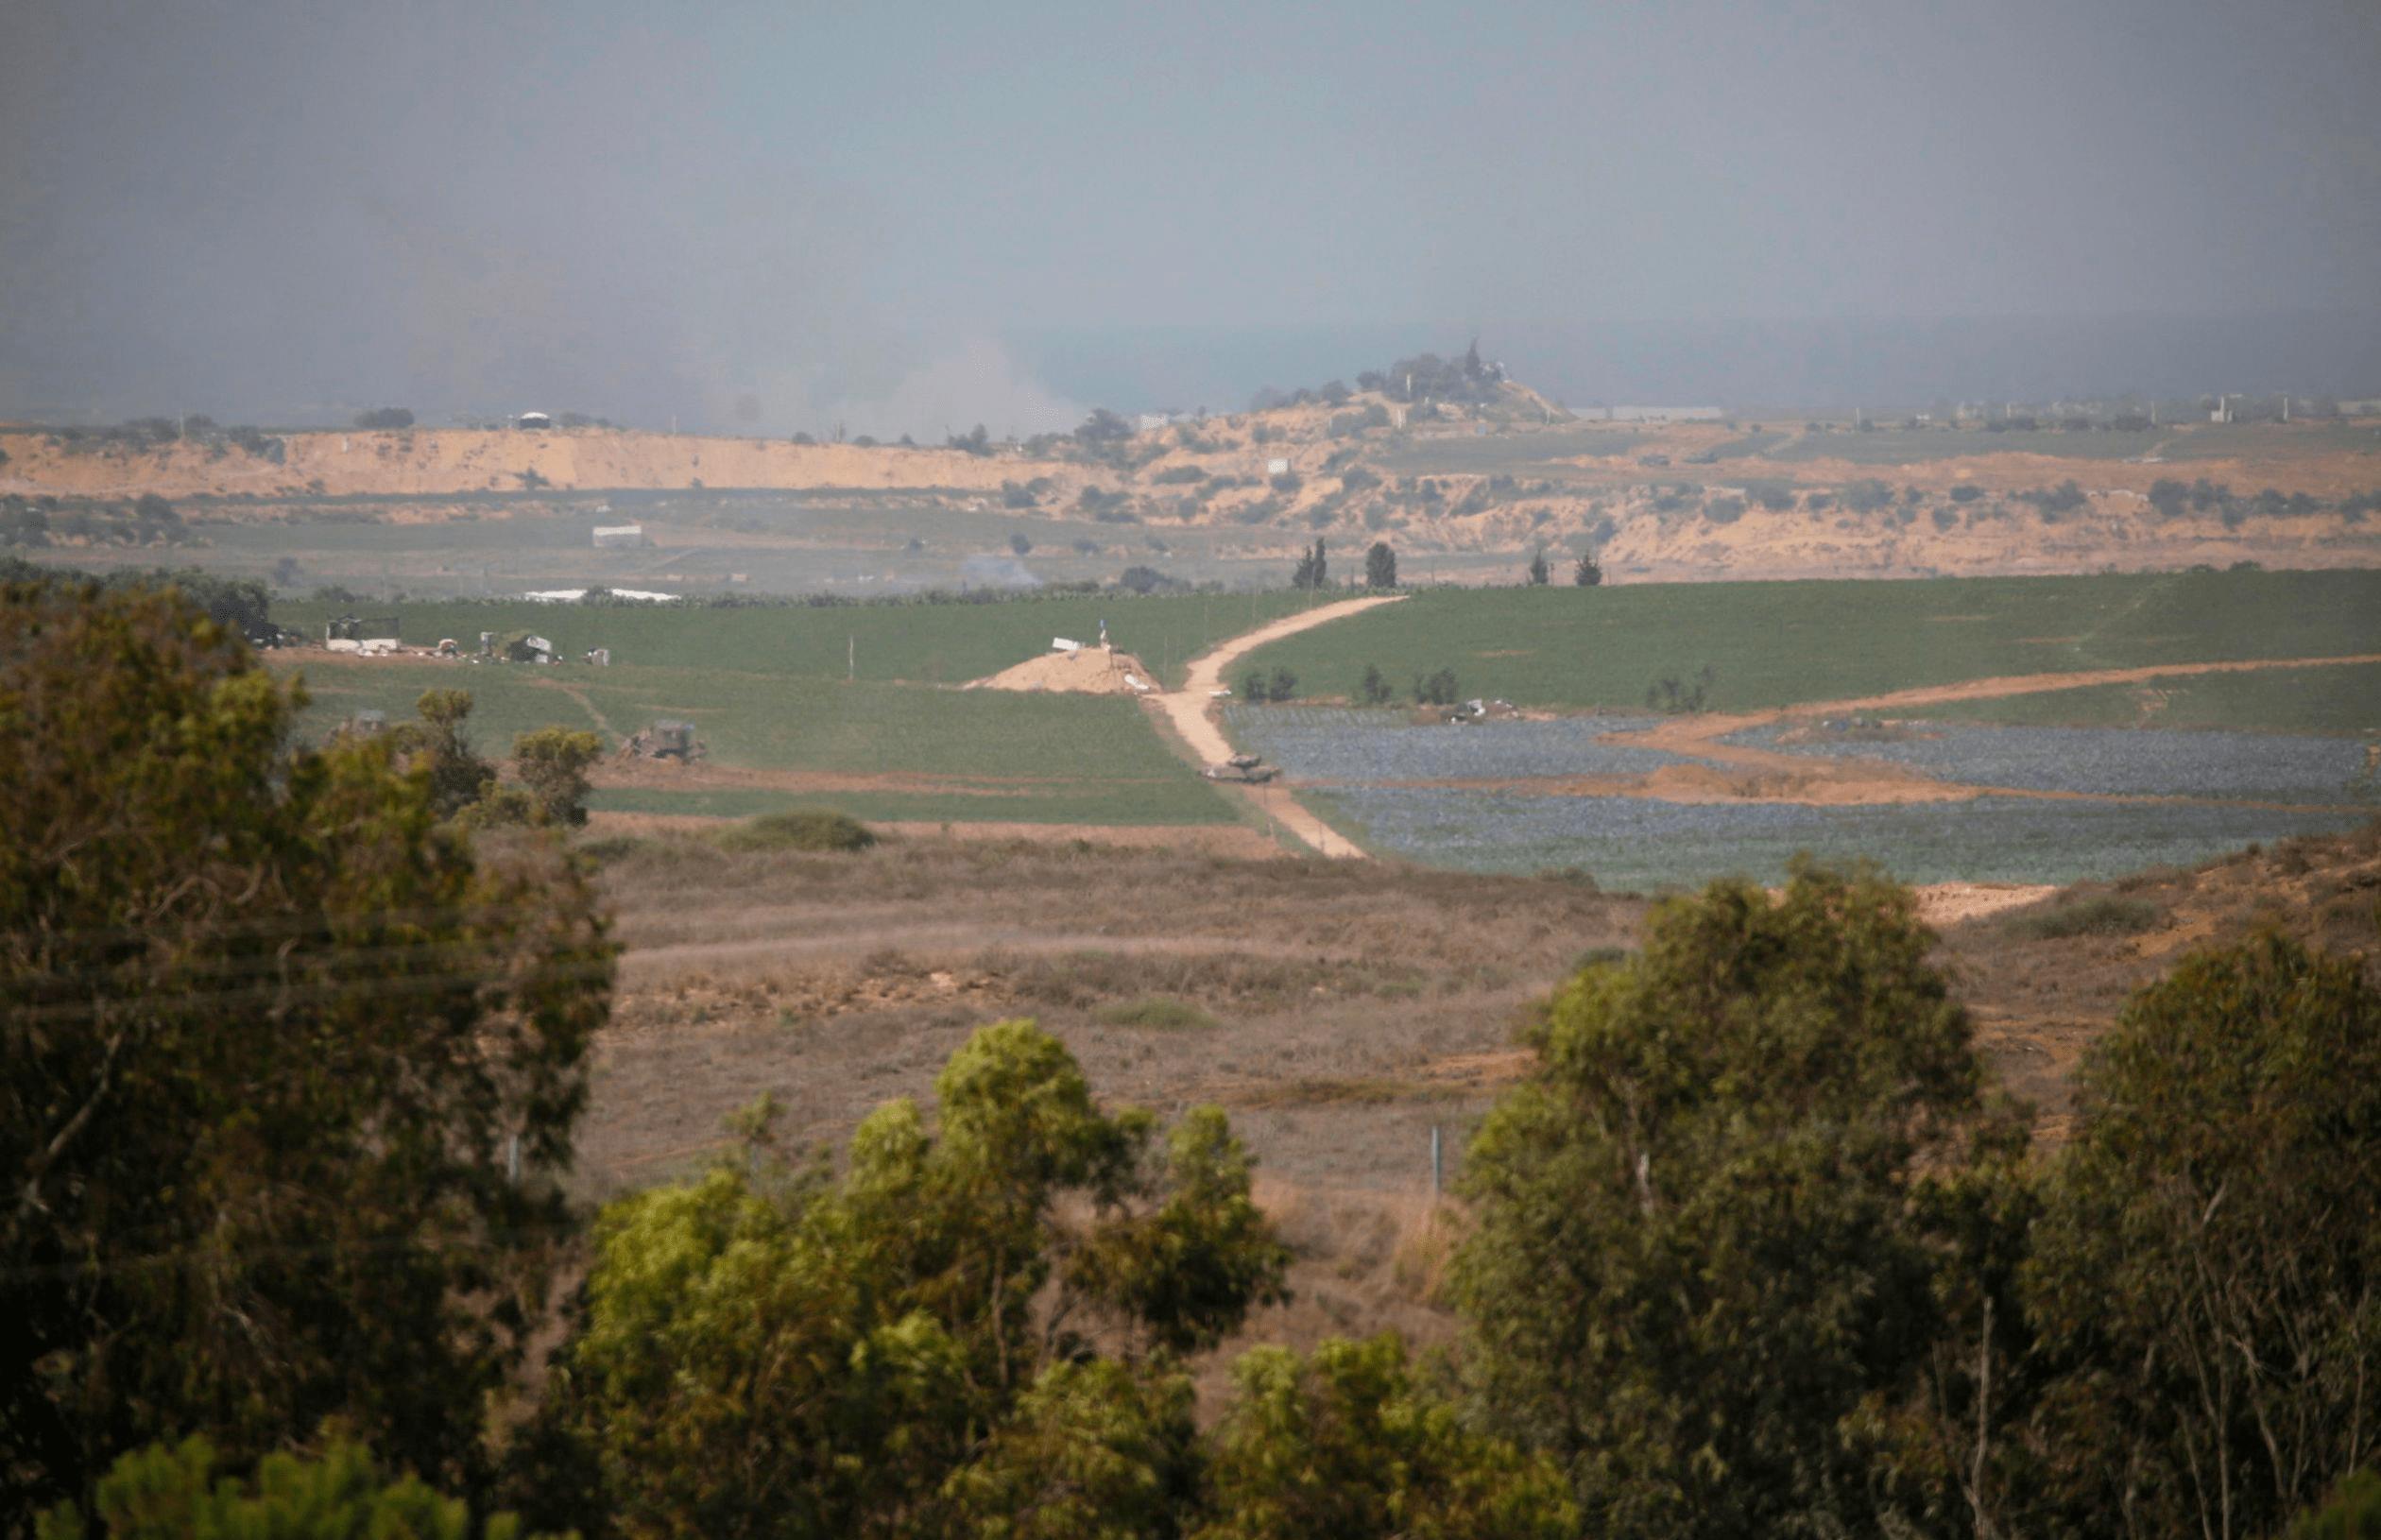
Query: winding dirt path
1850	778
1191	712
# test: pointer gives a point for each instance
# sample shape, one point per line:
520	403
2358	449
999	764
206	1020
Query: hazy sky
773	216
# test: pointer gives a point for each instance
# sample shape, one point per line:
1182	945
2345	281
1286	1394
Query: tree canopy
1695	1252
276	1042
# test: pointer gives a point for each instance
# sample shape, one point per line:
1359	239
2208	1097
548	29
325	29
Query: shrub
804	829
2104	914
1439	688
1162	1013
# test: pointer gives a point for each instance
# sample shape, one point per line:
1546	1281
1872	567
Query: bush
385	418
1373	689
1437	690
2103	914
1966	492
804	829
1147	580
164	1491
1161	1013
1283	685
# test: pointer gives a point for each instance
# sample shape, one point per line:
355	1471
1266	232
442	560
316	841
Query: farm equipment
357	628
667	739
1242	769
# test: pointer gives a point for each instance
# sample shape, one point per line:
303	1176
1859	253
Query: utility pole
852	660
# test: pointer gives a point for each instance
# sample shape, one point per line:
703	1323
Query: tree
175	1493
976	441
1019	544
2206	1269
1381	566
1283	685
1698	1250
1253	687
1439	688
1539	574
275	1046
1374	690
1345	1442
436	745
1103	427
1095	1448
774	1352
381	418
553	764
1313	570
1588	573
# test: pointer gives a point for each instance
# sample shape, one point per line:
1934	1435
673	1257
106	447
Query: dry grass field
1339	1011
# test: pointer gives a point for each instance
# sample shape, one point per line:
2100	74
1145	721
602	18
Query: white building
609	536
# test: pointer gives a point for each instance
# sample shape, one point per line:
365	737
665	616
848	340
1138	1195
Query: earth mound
1088	671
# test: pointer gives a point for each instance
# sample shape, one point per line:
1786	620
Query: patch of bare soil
1749	773
1088	671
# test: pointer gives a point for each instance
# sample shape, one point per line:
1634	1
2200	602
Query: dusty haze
759	220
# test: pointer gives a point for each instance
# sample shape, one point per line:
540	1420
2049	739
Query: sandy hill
1660	501
459	461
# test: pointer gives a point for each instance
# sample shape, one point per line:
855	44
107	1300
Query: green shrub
804	829
1161	1013
2103	914
605	849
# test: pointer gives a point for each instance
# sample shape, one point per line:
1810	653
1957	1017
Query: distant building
609	536
1276	467
533	420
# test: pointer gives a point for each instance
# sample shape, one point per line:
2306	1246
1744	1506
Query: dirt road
1191	712
1849	779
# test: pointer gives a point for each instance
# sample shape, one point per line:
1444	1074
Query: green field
999	755
1750	444
1916	446
2344	700
2210	441
1492	453
1777	643
925	643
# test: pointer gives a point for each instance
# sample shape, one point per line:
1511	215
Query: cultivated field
1772	645
1640	801
916	643
875	750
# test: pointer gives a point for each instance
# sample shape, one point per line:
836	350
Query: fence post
1437	1171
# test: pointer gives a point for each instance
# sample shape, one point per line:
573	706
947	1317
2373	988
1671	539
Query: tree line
293	1063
